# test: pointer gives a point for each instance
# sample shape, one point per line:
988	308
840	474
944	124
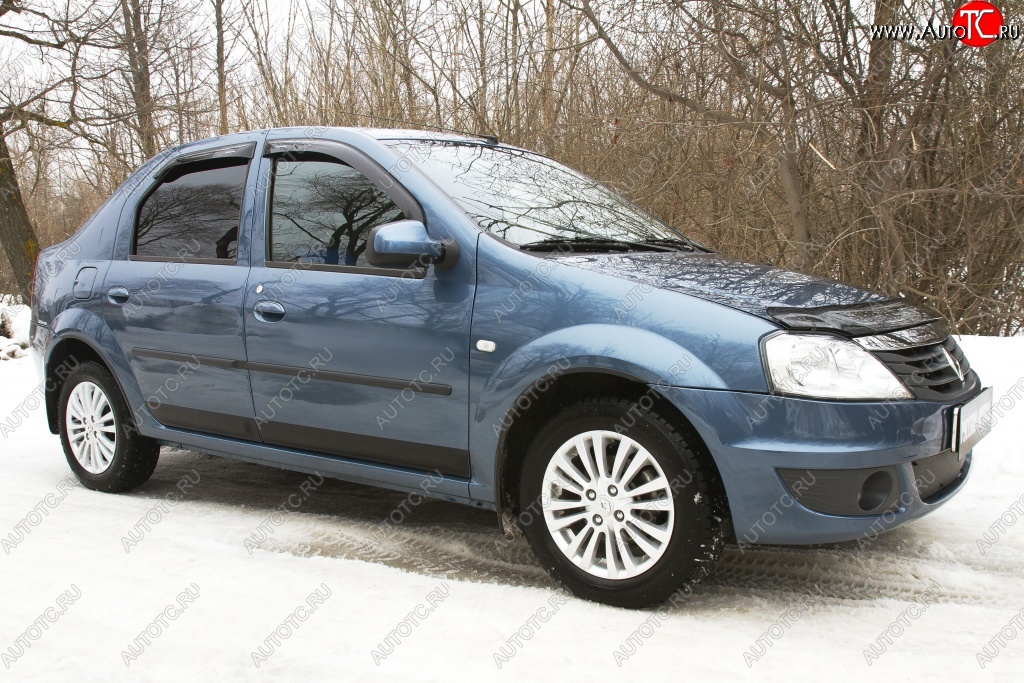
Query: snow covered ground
223	566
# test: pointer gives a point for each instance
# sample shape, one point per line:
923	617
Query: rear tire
659	540
100	440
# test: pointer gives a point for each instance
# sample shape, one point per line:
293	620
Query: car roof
379	134
418	134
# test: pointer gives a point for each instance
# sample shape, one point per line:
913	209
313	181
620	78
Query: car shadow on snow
344	520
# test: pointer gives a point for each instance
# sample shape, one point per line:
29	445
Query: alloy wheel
608	505
92	429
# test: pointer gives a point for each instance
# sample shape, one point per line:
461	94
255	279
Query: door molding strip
327	375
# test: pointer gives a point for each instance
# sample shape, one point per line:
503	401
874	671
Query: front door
347	359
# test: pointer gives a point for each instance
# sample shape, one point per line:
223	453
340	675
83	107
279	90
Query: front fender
633	352
628	352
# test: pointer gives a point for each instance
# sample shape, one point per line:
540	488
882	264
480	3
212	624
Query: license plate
971	422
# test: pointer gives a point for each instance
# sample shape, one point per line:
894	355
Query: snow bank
14	324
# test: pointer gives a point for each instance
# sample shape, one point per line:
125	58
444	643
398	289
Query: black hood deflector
854	321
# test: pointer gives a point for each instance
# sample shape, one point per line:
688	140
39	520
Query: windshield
527	199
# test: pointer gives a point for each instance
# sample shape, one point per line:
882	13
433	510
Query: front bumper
763	444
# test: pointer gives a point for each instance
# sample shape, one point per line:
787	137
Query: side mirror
405	244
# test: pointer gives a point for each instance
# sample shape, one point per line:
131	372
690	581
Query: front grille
927	372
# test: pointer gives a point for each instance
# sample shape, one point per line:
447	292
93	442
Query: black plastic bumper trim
849	493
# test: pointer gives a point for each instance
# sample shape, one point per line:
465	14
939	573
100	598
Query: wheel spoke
574	547
651	529
565	466
650	487
75	407
638	462
591	549
609	555
627	557
91	401
641	540
560	504
106	447
599	455
562	522
620	458
581	447
557	477
655	505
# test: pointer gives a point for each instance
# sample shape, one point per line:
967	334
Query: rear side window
322	211
193	213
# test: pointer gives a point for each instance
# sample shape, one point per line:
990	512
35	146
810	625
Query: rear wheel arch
533	409
98	434
66	355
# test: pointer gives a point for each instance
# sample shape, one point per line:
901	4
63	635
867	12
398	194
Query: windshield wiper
673	242
600	243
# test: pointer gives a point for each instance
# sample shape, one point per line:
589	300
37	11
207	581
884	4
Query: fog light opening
875	491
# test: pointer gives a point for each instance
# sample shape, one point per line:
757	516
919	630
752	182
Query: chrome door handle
118	295
268	311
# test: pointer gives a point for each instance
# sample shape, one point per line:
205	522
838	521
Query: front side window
193	213
322	211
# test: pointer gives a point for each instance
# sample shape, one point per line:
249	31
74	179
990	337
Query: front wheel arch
561	511
574	385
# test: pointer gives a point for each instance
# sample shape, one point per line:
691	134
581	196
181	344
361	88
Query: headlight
822	366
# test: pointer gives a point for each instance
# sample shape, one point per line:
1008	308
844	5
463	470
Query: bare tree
768	129
53	38
138	18
222	83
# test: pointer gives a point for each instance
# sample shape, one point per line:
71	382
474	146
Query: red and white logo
978	23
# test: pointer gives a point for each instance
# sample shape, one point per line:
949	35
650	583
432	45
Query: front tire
102	445
616	506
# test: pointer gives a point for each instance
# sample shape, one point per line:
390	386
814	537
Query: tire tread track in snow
780	572
343	520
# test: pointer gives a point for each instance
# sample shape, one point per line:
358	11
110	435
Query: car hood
792	300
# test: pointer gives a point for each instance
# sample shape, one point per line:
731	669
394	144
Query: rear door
345	358
173	295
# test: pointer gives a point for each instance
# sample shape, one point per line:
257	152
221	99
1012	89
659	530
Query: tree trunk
877	174
876	87
16	233
793	185
548	93
222	84
137	47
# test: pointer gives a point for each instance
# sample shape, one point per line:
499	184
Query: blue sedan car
447	315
